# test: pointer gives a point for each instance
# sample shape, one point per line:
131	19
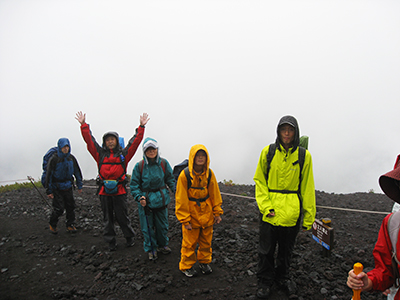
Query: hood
114	134
390	182
192	154
292	122
62	142
147	143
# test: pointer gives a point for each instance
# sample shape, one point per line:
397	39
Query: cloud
218	73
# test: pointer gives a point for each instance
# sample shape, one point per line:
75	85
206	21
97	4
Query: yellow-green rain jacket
188	211
283	175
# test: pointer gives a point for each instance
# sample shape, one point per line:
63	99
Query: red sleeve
133	144
381	276
90	141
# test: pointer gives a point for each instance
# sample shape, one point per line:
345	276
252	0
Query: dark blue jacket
61	168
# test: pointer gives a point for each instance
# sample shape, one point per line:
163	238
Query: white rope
319	206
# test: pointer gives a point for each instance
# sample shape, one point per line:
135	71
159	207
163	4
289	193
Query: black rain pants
63	200
271	236
115	208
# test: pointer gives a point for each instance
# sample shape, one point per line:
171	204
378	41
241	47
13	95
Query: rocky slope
37	265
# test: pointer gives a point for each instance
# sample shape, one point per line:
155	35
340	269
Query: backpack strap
270	156
189	186
122	163
393	231
163	164
302	158
141	165
300	161
147	191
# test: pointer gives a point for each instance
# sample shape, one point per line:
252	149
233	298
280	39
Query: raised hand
144	119
81	117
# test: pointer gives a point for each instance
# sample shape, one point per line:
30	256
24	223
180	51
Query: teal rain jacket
151	179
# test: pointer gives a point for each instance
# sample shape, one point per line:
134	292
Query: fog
218	73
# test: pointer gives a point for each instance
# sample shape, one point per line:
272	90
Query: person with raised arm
112	161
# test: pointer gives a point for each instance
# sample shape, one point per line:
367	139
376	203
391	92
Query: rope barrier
318	206
326	207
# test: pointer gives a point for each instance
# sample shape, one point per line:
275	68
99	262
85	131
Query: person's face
65	149
286	135
151	152
200	159
111	142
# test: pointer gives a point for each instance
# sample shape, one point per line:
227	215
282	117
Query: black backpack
183	166
303	145
271	154
178	169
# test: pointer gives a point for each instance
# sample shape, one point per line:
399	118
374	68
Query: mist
218	73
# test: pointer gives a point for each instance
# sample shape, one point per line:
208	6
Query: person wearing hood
150	179
284	198
386	271
198	208
59	181
112	161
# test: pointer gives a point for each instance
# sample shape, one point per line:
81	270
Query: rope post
322	233
328	223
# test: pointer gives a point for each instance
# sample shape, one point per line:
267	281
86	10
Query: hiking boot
205	269
112	247
130	242
190	272
71	229
286	286
281	284
53	230
164	250
264	292
153	255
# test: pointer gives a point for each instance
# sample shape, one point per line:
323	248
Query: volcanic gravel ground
38	265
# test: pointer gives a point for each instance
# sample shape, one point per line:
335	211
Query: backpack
110	186
178	169
303	145
122	163
184	166
141	164
163	164
393	232
46	159
300	161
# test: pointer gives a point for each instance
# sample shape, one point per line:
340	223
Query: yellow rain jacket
283	175
188	211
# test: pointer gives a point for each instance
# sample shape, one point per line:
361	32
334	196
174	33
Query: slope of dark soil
37	265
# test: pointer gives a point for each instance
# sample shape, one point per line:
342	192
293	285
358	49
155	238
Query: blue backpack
46	159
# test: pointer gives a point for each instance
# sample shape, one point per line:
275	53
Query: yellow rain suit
200	215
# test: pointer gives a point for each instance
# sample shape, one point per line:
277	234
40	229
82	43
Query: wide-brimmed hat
390	182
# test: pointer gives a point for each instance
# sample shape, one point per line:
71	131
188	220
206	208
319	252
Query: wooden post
328	222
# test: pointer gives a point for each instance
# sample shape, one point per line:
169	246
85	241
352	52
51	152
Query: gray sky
219	73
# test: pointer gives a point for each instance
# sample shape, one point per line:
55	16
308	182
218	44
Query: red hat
390	182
